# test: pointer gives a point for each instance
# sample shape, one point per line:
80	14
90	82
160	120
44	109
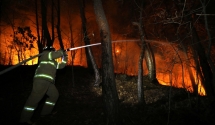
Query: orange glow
125	53
168	72
125	61
164	80
117	51
178	74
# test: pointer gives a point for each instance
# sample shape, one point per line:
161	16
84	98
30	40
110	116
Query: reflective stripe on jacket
48	66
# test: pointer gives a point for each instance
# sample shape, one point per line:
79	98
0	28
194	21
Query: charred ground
80	103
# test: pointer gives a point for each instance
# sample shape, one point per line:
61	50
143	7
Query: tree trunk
39	43
150	63
208	54
187	63
85	33
109	91
90	59
52	20
140	90
46	35
205	68
58	26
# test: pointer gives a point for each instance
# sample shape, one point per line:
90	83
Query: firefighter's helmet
49	48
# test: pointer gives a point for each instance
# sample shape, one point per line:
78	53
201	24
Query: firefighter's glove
65	58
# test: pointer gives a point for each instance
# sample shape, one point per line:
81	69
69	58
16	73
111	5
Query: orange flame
125	61
117	51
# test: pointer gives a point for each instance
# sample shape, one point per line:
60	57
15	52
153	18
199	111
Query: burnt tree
52	20
58	26
140	91
203	63
209	32
109	91
46	37
90	59
39	42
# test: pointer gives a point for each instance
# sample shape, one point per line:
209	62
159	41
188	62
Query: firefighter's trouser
40	88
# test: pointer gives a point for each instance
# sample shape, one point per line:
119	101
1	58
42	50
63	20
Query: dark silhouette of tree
46	37
140	91
39	41
201	59
90	58
23	40
203	63
209	50
52	20
71	40
109	92
85	33
58	26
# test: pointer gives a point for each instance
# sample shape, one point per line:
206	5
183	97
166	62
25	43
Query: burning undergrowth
80	103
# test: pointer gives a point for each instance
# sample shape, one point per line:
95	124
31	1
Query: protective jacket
43	84
47	65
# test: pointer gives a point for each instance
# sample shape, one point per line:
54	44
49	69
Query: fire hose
69	49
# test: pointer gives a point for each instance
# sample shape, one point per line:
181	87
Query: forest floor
80	103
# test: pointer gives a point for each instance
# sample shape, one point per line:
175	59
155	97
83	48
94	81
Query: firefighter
44	84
